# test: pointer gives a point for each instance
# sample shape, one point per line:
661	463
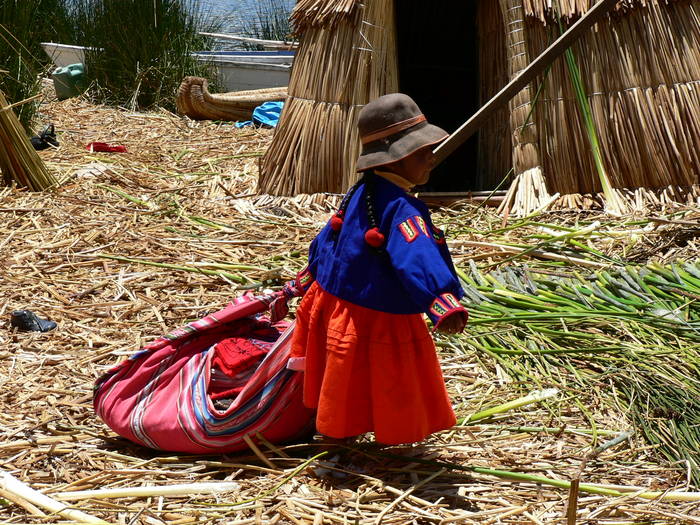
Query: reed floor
184	195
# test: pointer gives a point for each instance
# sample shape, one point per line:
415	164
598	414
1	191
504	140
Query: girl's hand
453	323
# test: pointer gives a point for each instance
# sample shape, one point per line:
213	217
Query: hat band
393	129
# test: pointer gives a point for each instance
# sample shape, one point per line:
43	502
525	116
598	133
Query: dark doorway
439	67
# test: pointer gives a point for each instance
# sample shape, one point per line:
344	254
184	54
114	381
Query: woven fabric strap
393	129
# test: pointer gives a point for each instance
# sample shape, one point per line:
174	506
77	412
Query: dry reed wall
642	74
347	57
495	143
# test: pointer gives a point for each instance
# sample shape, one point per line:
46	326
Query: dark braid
369	201
339	216
373	236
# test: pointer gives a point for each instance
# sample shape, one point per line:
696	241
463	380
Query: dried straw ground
155	204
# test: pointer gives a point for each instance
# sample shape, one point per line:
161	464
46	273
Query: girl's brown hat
391	128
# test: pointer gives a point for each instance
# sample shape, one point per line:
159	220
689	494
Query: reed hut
640	69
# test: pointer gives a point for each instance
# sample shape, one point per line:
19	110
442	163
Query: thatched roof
641	73
546	10
337	70
641	70
322	13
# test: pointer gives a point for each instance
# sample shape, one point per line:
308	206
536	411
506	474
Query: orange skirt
369	371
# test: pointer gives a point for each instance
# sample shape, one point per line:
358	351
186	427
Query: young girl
378	265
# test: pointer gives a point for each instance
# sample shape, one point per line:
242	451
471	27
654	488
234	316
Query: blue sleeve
424	266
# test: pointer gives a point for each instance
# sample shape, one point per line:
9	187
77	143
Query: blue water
236	15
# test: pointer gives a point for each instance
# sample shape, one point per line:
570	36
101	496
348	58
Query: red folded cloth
104	147
237	358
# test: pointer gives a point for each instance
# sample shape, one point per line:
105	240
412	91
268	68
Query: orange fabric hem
369	371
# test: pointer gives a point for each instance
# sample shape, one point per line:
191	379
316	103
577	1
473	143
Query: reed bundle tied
636	94
19	162
347	57
528	191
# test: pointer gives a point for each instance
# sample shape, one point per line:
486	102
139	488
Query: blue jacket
413	273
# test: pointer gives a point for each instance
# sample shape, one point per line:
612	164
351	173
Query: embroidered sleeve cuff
304	281
445	305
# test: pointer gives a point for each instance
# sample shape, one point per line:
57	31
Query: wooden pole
526	76
277	44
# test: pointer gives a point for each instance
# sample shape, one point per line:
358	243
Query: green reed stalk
614	204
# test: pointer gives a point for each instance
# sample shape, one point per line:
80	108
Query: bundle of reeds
347	57
19	162
544	9
528	191
621	110
195	101
641	95
495	144
633	331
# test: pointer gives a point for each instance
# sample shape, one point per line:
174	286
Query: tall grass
23	25
270	21
139	51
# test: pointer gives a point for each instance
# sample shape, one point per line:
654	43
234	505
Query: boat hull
236	70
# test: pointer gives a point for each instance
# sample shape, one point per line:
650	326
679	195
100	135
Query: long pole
526	76
265	43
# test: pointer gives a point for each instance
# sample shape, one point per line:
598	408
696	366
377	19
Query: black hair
348	196
373	236
369	200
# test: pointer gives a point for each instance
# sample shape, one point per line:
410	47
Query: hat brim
399	146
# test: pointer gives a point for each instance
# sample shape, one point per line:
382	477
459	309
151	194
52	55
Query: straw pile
347	57
195	101
183	198
641	71
19	162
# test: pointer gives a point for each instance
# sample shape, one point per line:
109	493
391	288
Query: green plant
139	52
634	331
23	26
613	202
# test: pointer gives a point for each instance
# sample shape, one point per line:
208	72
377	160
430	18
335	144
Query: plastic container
69	81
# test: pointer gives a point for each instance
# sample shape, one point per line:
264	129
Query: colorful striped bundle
163	397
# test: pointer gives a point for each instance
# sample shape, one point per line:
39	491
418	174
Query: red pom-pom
336	223
374	238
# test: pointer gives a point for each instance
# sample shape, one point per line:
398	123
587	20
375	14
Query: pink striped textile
160	397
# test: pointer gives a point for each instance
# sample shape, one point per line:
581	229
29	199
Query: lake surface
237	16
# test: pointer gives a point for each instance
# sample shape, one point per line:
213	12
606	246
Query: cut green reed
613	203
523	477
631	330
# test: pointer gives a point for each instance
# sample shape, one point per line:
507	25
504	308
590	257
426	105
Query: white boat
64	55
247	70
236	70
